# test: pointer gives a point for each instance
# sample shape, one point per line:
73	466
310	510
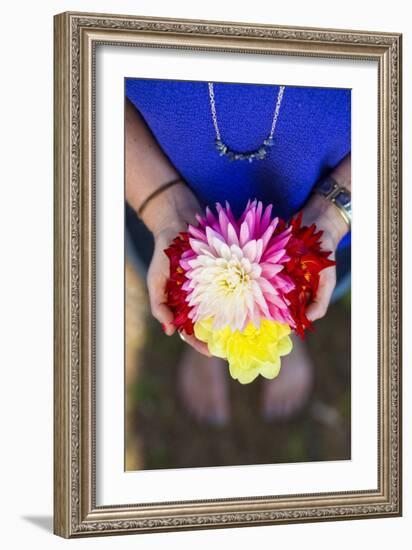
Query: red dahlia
176	296
307	260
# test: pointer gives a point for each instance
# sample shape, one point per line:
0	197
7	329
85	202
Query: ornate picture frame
76	36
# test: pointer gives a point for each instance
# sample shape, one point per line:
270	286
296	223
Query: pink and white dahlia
235	268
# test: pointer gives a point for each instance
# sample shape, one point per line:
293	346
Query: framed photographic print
227	274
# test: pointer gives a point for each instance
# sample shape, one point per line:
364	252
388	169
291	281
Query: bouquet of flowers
242	285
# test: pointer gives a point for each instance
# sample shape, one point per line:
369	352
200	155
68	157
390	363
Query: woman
179	129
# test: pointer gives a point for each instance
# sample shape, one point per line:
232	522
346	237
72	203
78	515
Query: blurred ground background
161	434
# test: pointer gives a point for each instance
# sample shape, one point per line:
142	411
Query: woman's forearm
146	165
147	168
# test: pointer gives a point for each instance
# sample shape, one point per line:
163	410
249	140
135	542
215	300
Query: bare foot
202	386
285	395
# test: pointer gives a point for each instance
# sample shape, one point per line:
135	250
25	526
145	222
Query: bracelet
338	195
159	190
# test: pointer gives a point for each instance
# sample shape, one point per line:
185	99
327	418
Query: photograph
227	260
237	273
205	275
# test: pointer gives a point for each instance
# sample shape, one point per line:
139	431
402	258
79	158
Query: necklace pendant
258	154
261	153
221	147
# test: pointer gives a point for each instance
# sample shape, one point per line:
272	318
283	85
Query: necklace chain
257	154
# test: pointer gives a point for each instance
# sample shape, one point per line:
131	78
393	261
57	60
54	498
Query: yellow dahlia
251	352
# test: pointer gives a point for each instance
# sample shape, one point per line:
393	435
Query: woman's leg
288	392
202	387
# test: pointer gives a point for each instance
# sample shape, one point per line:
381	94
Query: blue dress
312	136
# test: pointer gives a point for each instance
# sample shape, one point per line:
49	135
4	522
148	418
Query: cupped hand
173	219
327	218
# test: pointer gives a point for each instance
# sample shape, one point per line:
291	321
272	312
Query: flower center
234	277
225	287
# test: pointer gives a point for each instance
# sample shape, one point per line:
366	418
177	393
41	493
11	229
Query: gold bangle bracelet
343	213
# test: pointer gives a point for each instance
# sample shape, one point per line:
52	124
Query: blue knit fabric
312	136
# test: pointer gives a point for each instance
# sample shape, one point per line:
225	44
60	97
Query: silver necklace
257	154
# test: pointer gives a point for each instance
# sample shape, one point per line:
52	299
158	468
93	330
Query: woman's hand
166	216
326	216
318	211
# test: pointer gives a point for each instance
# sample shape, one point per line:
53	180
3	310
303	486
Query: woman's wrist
172	209
324	213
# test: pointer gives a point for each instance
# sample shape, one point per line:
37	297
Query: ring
182	337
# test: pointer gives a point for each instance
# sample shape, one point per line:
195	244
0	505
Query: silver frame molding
76	36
